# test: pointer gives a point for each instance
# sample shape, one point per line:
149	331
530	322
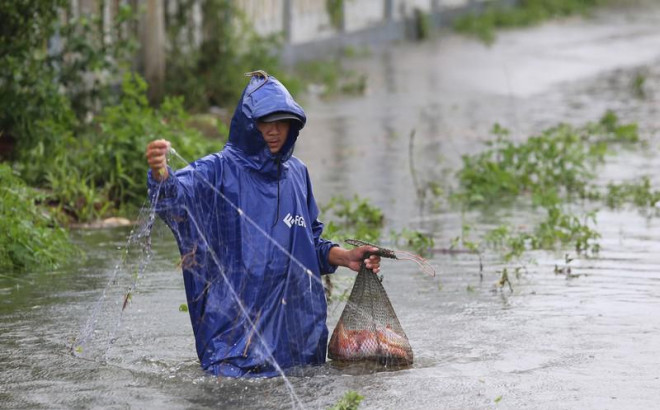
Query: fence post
435	13
153	48
389	10
287	21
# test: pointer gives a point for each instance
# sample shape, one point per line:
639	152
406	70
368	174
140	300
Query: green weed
423	24
638	85
88	54
350	401
102	169
548	167
566	270
211	73
419	242
464	240
30	239
526	13
640	193
504	279
563	229
358	218
335	10
331	76
551	169
352	218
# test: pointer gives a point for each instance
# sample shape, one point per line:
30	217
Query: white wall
310	21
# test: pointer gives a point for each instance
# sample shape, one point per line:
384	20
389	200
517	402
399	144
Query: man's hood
264	95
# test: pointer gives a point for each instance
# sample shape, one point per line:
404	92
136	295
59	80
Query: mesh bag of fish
368	328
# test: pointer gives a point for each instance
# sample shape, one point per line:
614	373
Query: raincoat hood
264	95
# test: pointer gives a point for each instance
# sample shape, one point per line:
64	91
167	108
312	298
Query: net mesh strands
368	328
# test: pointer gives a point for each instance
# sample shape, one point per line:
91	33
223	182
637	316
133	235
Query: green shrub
525	13
29	86
72	78
30	239
352	218
419	242
104	168
88	65
211	74
332	77
350	401
551	166
551	169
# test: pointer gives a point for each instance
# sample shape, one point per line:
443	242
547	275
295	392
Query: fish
382	344
393	343
423	264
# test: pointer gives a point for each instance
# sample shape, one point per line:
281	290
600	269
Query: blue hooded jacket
252	255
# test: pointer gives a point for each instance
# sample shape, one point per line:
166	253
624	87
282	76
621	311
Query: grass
550	171
31	239
527	13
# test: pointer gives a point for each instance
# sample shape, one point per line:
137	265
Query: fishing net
368	328
269	325
245	324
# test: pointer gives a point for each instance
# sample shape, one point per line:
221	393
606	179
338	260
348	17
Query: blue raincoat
251	249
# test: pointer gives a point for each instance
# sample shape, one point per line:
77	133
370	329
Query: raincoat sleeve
181	195
322	248
321	245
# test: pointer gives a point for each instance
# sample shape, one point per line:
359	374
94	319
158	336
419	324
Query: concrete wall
309	33
305	24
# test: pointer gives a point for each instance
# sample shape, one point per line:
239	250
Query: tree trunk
153	48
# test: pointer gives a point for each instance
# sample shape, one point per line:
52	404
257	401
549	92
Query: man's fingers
157	153
156	156
160	146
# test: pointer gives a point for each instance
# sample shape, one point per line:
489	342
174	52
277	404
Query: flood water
586	341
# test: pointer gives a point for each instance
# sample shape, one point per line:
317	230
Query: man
245	220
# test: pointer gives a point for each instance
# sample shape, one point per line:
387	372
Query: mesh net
237	333
368	329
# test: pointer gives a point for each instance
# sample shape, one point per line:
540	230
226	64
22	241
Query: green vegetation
559	229
639	193
526	13
638	85
423	24
78	117
211	74
357	218
335	10
419	242
332	77
350	401
80	120
30	238
558	163
101	170
352	218
551	170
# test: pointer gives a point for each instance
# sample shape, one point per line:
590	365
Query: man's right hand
157	159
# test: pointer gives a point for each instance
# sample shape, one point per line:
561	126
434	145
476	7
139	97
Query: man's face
274	134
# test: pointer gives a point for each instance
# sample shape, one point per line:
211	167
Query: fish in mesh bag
368	328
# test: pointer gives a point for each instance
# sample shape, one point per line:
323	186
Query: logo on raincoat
297	220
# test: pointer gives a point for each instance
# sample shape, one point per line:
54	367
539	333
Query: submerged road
589	341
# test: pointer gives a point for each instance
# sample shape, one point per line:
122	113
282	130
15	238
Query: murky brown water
554	342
